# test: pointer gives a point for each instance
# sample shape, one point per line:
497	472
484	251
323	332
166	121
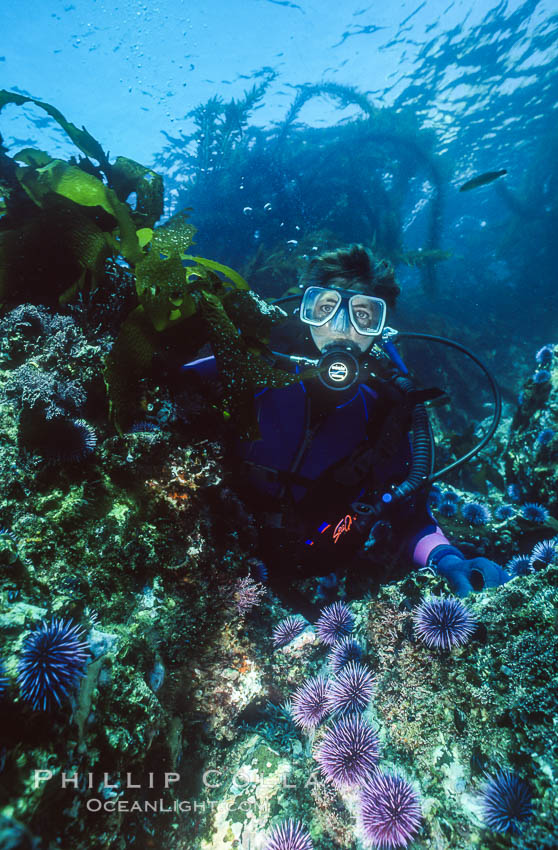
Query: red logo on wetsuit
342	527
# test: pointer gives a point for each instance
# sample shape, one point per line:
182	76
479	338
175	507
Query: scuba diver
336	482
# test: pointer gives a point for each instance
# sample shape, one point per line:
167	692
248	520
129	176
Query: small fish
482	179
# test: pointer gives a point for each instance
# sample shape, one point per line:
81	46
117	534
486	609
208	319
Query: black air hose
421	465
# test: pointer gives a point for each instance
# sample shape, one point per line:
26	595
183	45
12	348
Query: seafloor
145	545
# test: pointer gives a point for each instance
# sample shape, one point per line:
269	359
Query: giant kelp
179	290
278	190
62	221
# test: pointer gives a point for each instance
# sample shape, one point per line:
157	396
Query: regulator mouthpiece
338	369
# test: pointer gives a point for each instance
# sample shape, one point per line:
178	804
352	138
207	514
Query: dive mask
338	317
343	324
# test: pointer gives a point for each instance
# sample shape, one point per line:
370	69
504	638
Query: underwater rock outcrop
445	720
532	453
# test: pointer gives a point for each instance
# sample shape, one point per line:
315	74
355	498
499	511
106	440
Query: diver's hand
466	575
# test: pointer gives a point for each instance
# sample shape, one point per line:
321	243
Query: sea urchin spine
51	663
442	622
390	811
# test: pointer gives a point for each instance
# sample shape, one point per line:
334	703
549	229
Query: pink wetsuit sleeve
426	544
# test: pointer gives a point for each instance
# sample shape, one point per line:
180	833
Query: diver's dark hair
357	268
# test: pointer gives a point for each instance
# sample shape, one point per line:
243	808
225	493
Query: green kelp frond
36	187
76	185
60	246
166	287
162	284
81	138
254	315
235	278
33	157
127	366
174	287
242	371
128	176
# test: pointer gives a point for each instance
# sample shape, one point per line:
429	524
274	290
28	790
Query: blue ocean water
281	129
480	76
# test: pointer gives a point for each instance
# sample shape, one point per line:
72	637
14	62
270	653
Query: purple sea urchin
349	752
450	496
504	512
58	440
351	691
443	622
286	631
390	810
289	835
51	663
309	702
545	437
476	513
514	492
343	652
506	802
534	512
4	681
544	552
542	376
335	622
519	565
434	497
447	508
544	355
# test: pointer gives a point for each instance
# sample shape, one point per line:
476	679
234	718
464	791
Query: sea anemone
289	835
544	552
504	512
349	752
506	802
335	622
534	512
286	631
514	492
545	437
544	355
390	810
309	702
476	513
343	652
520	565
447	508
541	377
351	691
51	663
443	622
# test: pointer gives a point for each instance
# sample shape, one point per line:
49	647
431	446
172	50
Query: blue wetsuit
307	469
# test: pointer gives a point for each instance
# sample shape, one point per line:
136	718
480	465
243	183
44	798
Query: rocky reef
174	725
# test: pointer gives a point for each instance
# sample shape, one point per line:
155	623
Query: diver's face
340	330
